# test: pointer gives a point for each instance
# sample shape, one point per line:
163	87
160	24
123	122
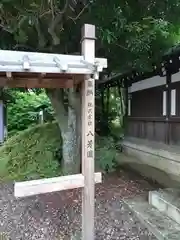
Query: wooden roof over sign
43	70
170	63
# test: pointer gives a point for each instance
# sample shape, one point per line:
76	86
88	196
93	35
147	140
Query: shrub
31	154
24	110
106	154
35	153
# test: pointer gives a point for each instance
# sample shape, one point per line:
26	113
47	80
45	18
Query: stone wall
154	160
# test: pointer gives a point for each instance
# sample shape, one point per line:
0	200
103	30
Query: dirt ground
58	216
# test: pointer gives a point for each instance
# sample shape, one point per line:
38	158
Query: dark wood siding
152	129
174	131
147	103
147	120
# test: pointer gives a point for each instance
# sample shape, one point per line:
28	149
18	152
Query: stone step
163	227
167	201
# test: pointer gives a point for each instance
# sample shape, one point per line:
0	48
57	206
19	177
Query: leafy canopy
131	33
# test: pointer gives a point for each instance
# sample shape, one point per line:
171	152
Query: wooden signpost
88	109
32	70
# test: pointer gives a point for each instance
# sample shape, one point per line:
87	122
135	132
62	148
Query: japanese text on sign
90	134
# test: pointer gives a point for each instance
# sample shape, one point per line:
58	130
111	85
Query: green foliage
132	34
110	110
136	33
106	154
23	111
31	154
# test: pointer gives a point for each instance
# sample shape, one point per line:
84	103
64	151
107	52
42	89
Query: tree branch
45	13
54	23
20	46
4	28
52	8
80	13
41	38
121	46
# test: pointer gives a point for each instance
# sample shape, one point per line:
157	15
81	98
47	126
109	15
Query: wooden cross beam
49	185
36	82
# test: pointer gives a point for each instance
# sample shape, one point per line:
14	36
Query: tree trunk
71	144
68	119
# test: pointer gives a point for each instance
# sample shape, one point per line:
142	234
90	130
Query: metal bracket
89	65
98	69
9	75
96	75
95	68
26	63
63	67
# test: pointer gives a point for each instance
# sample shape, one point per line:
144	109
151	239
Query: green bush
31	154
23	111
106	154
34	153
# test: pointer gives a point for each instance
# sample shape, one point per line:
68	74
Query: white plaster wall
175	77
147	83
152	82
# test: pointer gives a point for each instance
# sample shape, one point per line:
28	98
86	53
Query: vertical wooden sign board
88	118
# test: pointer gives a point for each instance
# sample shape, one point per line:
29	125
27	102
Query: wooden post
88	106
41	117
168	106
126	86
1	122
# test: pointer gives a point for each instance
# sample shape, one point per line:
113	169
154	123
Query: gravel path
58	216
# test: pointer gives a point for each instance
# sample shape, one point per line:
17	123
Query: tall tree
131	34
